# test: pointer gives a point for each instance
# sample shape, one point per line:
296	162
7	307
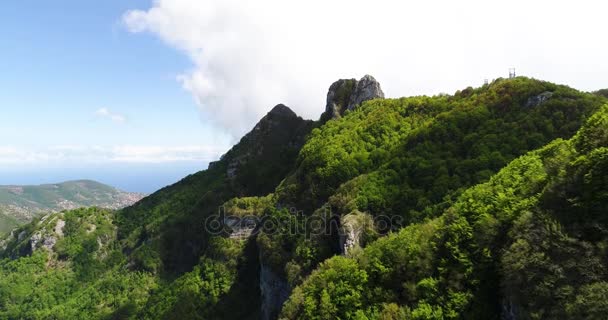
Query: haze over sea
143	178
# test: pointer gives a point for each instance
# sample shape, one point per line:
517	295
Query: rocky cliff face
338	98
278	136
50	230
366	89
343	95
240	228
536	100
509	310
275	292
347	94
353	229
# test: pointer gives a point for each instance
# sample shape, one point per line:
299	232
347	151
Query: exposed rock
367	89
509	310
34	240
280	131
21	236
38	240
4	241
536	100
59	227
45	239
212	164
274	291
353	227
241	227
347	94
232	167
338	97
281	110
49	242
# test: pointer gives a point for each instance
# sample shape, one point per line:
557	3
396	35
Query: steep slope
19	204
528	244
68	265
165	233
172	218
159	245
406	160
181	253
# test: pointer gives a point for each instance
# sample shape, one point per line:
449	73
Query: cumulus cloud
107	114
77	154
250	55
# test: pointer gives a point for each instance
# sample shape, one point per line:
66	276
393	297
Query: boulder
338	98
536	100
367	89
353	229
348	94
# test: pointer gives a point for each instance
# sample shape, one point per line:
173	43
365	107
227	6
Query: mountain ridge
21	203
458	170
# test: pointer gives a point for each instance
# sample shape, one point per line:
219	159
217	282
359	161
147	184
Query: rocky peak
282	110
347	94
338	98
277	116
273	141
367	89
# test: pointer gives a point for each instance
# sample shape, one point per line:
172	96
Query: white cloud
7	151
250	55
158	154
75	154
107	114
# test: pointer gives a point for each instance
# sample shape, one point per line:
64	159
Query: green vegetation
549	247
81	277
497	197
342	91
7	223
412	157
248	206
164	232
20	204
602	92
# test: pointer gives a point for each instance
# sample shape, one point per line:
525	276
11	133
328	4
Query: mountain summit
347	94
275	139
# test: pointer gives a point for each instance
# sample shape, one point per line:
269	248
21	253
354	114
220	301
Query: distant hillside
19	204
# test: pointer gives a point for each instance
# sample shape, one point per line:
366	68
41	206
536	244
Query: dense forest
486	204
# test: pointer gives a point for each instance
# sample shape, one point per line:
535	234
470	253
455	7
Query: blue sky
62	63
